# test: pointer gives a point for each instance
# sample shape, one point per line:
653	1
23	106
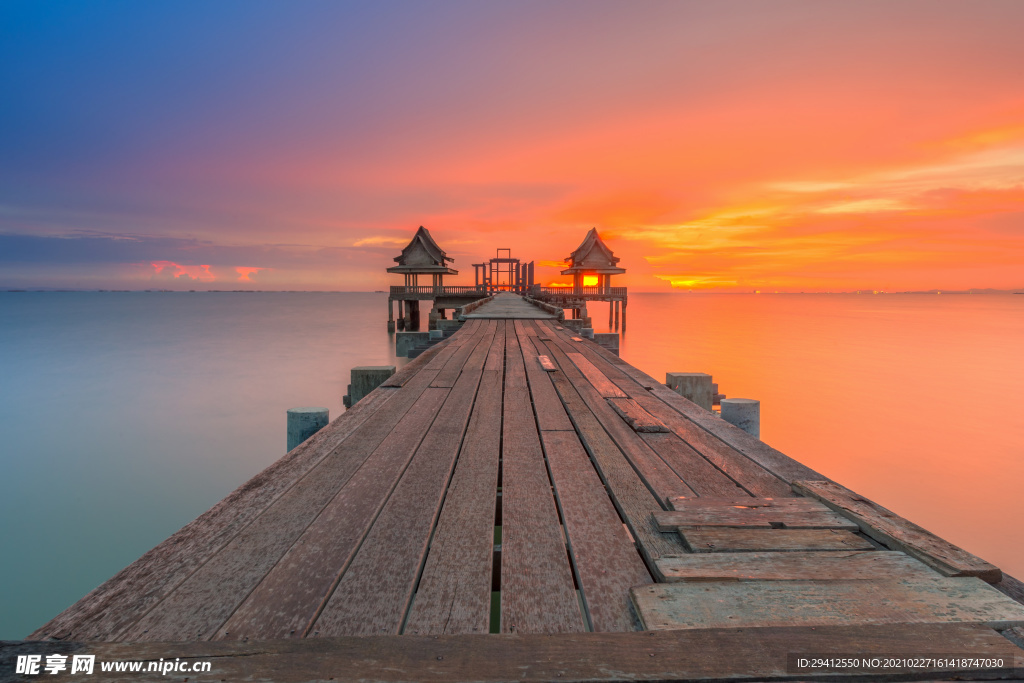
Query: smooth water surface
123	416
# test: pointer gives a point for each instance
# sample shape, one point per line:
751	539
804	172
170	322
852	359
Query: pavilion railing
581	291
442	290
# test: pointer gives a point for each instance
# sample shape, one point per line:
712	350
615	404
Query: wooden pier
518	504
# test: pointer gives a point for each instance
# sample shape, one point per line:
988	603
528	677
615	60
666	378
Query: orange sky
791	146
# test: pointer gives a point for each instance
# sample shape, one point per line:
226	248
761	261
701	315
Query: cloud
246	273
381	241
169	270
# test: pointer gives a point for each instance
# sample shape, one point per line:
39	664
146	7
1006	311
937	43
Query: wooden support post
414	316
611	307
391	315
616	315
624	316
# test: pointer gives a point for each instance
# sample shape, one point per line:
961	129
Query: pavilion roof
593	256
422	255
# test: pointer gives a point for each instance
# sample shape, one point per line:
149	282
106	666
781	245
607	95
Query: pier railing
445	290
430	291
582	291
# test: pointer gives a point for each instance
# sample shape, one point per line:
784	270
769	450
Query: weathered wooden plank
800	504
604	386
200	605
373	594
537	591
115	604
791	566
728	540
779	464
605	559
658	476
758	604
894	531
546	364
809	514
638	419
752	477
449	346
629	493
699	474
1012	587
449	374
726	654
454	593
546	405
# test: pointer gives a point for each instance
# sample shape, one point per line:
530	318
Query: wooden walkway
518	479
506	306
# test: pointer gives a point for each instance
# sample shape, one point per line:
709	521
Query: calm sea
125	415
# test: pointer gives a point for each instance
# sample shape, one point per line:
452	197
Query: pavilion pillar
413	315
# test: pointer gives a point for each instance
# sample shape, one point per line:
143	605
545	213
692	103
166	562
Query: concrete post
404	341
624	302
609	340
304	423
745	413
695	386
365	379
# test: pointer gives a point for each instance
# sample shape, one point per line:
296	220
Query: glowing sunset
514	340
802	147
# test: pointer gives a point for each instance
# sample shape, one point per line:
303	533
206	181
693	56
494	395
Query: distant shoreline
46	290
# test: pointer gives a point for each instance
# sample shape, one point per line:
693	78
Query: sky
726	146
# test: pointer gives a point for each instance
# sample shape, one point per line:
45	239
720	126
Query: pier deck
505	306
516	478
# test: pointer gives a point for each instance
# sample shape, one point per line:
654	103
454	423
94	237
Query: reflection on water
123	416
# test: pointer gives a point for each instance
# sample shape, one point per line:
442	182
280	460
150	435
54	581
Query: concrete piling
407	340
304	423
366	378
609	340
745	413
695	386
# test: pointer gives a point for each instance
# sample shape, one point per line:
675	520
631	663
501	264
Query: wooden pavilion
592	262
422	256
